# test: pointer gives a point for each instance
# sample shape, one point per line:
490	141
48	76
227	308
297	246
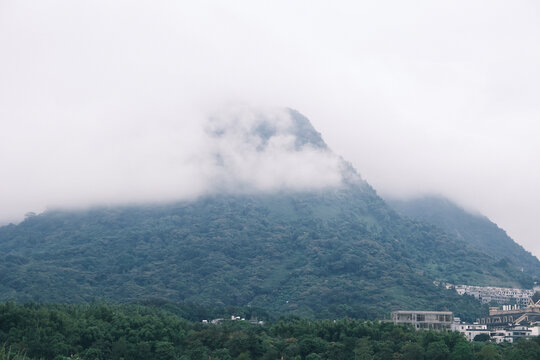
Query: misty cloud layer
257	150
106	102
236	150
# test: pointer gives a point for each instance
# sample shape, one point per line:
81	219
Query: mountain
475	229
331	250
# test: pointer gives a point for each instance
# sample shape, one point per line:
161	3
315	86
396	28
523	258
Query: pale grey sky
106	101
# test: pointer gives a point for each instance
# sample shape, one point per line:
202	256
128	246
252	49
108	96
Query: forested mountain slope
333	251
286	252
477	230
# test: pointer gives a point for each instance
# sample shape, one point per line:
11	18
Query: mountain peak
304	131
273	149
259	127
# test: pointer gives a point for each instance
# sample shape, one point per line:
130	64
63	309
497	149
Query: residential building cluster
233	318
499	295
508	333
444	321
504	323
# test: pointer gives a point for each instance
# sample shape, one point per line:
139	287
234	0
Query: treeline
132	332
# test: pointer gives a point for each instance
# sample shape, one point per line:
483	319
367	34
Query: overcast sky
108	101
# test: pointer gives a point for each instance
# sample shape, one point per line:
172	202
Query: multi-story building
511	334
507	316
436	320
470	330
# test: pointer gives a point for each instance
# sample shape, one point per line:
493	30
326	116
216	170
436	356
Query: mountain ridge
476	229
331	251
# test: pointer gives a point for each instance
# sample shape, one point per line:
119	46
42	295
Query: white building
487	294
511	334
470	330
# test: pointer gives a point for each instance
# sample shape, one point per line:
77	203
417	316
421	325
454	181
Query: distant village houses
505	323
233	318
487	294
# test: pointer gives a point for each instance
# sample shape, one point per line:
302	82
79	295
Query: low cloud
253	150
235	150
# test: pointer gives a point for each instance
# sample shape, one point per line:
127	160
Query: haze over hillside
239	149
331	249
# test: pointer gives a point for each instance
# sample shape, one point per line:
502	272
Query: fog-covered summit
305	132
260	126
272	149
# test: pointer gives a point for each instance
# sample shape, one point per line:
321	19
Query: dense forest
135	332
327	254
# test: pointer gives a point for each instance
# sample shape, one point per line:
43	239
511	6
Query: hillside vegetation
326	254
477	230
97	331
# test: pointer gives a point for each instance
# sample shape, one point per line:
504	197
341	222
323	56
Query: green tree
222	354
243	356
92	354
363	349
482	337
489	352
311	344
384	351
526	349
164	351
462	351
412	351
437	351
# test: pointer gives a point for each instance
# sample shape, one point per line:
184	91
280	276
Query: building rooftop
422	312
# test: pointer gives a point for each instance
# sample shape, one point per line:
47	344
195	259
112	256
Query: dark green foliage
412	351
437	351
462	351
7	353
131	332
489	352
482	337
